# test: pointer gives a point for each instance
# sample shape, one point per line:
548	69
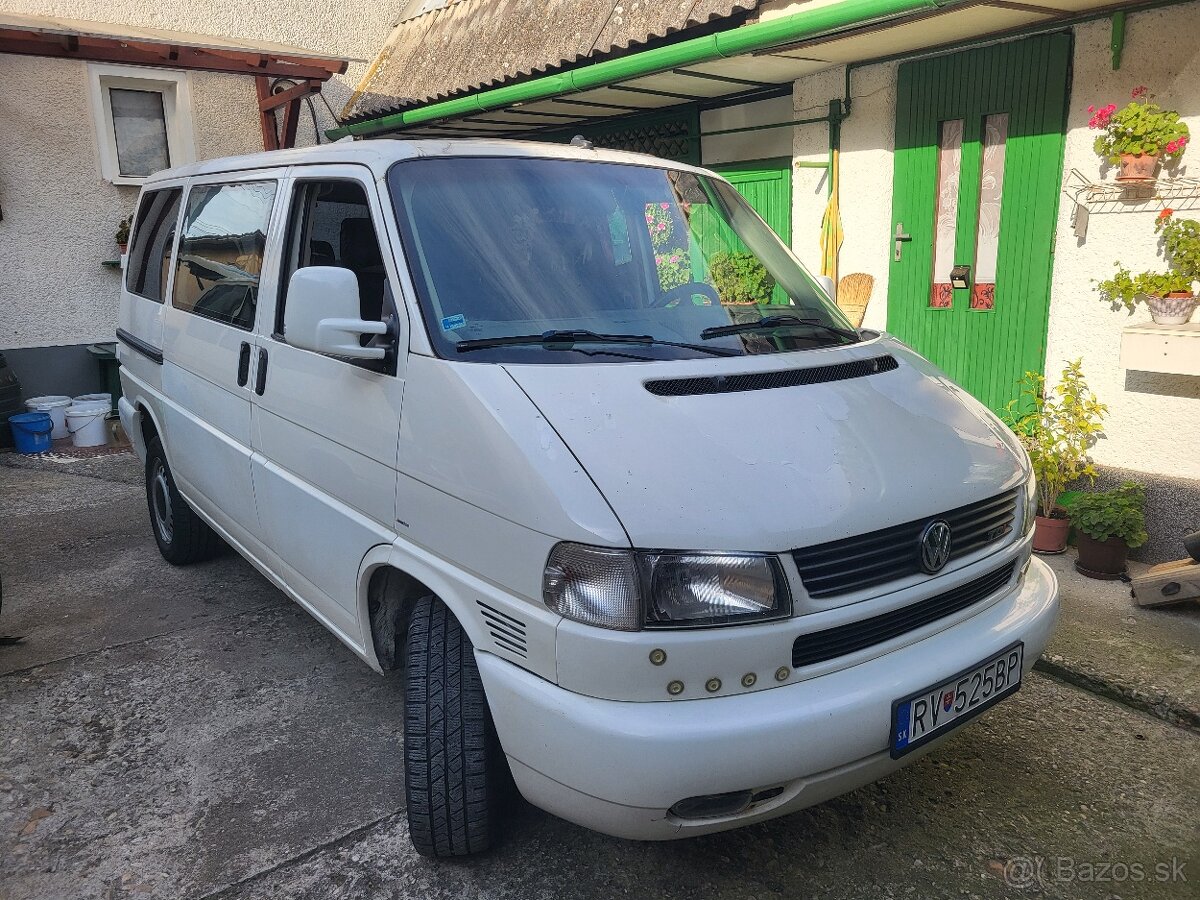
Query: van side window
330	225
221	253
149	259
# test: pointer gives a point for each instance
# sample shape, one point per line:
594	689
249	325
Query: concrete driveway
190	733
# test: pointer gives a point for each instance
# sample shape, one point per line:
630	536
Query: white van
572	436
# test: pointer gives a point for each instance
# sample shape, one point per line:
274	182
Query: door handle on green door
260	379
900	239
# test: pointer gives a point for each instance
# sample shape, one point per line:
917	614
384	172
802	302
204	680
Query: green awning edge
723	45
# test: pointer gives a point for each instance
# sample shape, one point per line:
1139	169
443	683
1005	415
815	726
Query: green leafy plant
1113	514
1128	290
1141	127
123	230
1057	427
1181	243
740	278
674	267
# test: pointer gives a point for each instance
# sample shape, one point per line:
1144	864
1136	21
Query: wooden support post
266	117
291	118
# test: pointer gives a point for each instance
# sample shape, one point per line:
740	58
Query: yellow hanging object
831	226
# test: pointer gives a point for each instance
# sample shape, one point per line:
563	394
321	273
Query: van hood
778	468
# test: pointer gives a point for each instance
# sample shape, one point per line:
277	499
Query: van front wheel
452	760
182	536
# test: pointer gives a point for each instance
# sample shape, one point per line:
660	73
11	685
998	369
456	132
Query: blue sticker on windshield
449	323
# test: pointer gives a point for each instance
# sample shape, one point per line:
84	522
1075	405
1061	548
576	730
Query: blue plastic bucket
31	431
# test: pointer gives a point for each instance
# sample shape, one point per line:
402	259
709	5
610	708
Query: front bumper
618	767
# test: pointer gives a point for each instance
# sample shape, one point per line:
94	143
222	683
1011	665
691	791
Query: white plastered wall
60	216
1154	420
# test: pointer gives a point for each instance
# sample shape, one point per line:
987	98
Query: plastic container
85	421
95	398
31	431
56	405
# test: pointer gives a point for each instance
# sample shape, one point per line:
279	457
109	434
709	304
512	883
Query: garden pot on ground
1050	534
1174	309
1101	559
1138	167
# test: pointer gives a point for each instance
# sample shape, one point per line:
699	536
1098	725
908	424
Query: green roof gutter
723	45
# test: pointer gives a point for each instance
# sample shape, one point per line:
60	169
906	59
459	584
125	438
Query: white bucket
89	398
56	405
86	423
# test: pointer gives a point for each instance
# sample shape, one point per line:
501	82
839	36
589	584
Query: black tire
182	536
454	771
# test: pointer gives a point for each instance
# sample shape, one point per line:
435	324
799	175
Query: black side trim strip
151	353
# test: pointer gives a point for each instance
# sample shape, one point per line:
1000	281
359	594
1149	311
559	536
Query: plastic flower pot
1050	533
1174	309
1138	167
1101	559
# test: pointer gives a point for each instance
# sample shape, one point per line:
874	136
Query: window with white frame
143	120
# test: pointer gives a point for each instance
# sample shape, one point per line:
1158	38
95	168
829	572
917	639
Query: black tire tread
192	541
451	761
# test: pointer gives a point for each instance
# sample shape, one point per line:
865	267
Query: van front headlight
629	590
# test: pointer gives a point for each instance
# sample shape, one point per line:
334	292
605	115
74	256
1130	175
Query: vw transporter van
572	437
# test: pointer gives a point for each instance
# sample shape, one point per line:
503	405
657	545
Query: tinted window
221	253
331	226
150	253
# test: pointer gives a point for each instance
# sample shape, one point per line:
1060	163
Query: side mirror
322	314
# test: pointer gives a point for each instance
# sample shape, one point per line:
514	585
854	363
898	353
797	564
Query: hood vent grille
507	633
759	381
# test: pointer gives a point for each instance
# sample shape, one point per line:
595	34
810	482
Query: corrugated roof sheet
57	25
470	44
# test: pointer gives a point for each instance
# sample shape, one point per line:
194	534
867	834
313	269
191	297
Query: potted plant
1171	295
1107	526
123	234
1057	427
741	279
1139	136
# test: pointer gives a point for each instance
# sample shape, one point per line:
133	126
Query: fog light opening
712	806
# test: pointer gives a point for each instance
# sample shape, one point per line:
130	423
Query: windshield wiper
768	322
566	339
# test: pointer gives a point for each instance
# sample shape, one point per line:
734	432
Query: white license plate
920	717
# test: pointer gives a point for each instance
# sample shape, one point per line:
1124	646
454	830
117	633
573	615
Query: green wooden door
767	186
978	163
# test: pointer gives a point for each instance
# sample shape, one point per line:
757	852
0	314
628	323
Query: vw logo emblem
935	546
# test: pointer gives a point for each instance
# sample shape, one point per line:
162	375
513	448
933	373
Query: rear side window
220	254
149	260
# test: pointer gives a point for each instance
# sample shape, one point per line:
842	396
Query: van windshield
564	261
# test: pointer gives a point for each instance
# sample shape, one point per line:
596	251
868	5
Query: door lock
900	238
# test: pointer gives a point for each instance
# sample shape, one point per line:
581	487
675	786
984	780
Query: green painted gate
767	186
978	164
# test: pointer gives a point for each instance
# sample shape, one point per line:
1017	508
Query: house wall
59	215
1154	420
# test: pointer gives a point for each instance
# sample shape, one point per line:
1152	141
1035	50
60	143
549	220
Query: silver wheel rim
160	499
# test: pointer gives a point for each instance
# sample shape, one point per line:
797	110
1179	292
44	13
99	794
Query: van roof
380	154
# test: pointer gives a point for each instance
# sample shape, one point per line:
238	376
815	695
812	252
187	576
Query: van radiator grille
854	563
844	639
507	633
758	381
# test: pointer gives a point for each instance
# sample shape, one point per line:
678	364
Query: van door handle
260	380
244	364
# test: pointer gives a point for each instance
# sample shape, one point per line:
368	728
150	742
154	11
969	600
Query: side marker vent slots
507	633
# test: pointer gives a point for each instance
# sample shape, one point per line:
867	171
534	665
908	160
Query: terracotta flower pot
1101	559
1050	534
123	248
1174	309
1138	167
